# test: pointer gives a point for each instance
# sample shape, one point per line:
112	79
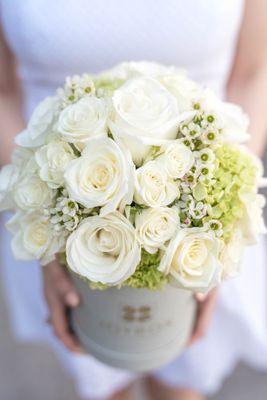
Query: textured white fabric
52	39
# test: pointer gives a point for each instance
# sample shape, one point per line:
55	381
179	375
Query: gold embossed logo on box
136	314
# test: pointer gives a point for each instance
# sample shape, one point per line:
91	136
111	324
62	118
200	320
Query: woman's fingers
61	295
206	307
60	323
66	290
59	278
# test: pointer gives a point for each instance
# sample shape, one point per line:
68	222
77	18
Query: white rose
192	259
144	114
229	117
9	175
34	237
104	249
183	89
231	255
102	177
31	192
260	181
177	159
21	156
252	223
156	226
234	123
153	186
39	124
133	69
53	160
83	120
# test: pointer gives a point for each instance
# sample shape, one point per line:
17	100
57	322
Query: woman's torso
56	38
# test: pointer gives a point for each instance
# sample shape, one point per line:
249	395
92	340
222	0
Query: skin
247	86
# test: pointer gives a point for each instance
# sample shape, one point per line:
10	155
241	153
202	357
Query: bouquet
137	177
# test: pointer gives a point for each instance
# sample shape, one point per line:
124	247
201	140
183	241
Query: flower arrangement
137	177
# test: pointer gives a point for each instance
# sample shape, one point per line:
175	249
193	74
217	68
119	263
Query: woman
221	44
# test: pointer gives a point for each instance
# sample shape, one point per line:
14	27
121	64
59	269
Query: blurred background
32	372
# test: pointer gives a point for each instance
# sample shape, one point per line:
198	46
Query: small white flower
216	226
211	136
75	88
156	226
192	259
83	120
205	172
104	249
66	214
205	156
197	210
153	186
188	142
192	131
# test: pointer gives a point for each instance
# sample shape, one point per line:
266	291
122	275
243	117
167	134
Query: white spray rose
83	120
177	159
53	160
252	223
31	192
102	177
231	255
9	175
192	258
34	237
156	226
104	249
153	186
40	123
144	113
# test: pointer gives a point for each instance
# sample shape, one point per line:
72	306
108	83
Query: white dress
53	39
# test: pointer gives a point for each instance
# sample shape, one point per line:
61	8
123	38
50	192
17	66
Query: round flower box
134	329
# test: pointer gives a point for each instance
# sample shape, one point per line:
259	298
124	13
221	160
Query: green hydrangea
106	87
235	171
147	274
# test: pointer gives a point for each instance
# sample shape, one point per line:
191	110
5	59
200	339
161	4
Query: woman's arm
59	291
247	86
11	120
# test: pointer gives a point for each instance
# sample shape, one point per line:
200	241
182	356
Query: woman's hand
206	305
60	295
